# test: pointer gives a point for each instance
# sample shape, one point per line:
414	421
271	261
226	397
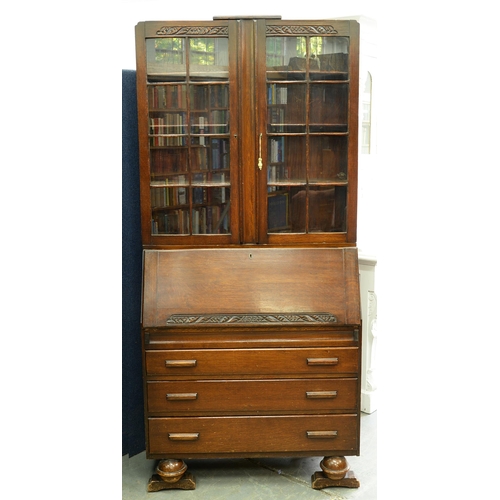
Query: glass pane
286	209
286	108
286	159
321	209
211	210
210	113
199	155
208	59
328	107
331	56
170	207
328	158
218	121
278	211
286	58
165	59
340	209
219	154
170	221
167	97
199	97
298	198
166	164
204	97
167	129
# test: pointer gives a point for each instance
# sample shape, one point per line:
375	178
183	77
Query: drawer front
241	362
252	395
225	435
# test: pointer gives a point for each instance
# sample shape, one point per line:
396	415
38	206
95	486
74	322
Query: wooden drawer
252	395
321	434
241	362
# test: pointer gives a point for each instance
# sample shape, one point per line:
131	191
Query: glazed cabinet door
248	131
307	128
187	103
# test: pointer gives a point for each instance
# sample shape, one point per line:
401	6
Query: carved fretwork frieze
301	30
249	319
270	30
193	30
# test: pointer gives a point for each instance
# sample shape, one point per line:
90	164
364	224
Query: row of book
167	97
209	96
202	97
212	154
219	149
167	197
205	220
277	147
277	118
277	94
275	174
168	130
170	161
167	161
164	197
214	122
276	171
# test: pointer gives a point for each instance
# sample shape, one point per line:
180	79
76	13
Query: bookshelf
248	172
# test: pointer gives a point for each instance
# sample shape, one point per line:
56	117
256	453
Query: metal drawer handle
183	436
180	363
322	361
321	434
321	394
182	396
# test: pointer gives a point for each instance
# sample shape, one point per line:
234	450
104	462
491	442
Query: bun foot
335	472
171	474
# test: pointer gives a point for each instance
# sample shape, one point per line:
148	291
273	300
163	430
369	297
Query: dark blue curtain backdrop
133	440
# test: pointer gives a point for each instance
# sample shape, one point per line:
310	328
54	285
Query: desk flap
252	285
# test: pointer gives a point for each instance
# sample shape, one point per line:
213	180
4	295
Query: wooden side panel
149	296
253	280
351	274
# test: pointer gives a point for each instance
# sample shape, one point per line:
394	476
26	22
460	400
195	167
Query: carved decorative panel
193	30
190	319
301	30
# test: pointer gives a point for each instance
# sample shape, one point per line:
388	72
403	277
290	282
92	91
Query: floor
260	479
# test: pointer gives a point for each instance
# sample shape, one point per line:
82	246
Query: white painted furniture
367	266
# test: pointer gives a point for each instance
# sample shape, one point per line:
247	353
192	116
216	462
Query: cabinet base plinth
186	482
320	481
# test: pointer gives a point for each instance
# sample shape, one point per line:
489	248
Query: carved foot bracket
335	472
171	474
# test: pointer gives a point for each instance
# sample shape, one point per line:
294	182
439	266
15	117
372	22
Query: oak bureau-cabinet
251	325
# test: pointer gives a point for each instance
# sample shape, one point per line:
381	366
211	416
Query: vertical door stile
188	131
308	137
261	128
235	136
247	103
353	112
142	112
